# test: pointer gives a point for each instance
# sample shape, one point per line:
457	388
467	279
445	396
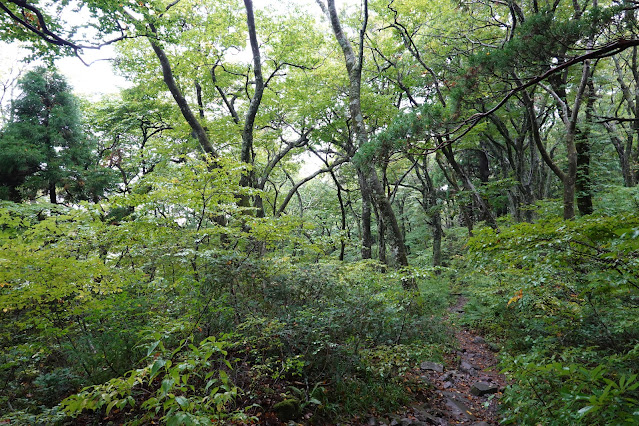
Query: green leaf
182	401
152	347
166	386
157	365
110	405
586	410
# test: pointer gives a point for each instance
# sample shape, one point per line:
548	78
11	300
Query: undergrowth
562	297
244	341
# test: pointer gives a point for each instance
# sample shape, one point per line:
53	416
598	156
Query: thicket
563	299
146	317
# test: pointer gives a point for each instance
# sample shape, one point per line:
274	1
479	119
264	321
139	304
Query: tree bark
465	210
342	209
468	186
248	177
178	96
583	184
381	242
367	170
570	118
429	203
53	198
367	236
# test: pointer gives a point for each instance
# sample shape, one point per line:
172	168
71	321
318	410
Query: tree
371	186
131	131
43	147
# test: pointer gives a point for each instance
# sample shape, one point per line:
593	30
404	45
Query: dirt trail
471	387
463	391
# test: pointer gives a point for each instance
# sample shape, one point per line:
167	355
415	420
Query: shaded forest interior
270	223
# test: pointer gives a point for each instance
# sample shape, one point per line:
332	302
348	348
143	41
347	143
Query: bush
565	297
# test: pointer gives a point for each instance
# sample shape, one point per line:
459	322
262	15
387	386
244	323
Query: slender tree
371	185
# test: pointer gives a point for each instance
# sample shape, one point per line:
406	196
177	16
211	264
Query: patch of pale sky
99	79
95	80
90	82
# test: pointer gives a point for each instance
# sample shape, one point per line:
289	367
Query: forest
295	209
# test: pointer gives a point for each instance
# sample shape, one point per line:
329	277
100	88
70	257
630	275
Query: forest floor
464	390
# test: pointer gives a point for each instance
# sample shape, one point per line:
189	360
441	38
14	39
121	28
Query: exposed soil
449	387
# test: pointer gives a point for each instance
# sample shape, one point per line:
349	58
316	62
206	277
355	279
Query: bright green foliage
564	391
132	132
64	311
188	385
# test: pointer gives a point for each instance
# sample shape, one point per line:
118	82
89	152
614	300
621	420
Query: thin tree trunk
429	197
570	118
465	210
178	96
367	236
571	177
468	186
342	209
367	170
622	153
53	199
381	241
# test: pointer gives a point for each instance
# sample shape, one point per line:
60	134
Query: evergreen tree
43	148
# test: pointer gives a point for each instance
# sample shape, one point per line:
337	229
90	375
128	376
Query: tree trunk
623	153
570	177
366	169
381	242
437	239
570	117
397	246
53	199
631	99
484	168
468	186
583	183
342	209
178	96
367	236
465	210
246	156
429	201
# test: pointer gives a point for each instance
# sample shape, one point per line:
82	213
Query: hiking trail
464	390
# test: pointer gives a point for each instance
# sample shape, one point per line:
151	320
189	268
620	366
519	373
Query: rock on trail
464	390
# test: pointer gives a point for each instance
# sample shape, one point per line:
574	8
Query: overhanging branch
467	125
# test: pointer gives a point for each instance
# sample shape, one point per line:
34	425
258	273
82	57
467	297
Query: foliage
104	282
338	324
565	390
564	295
44	147
186	385
168	298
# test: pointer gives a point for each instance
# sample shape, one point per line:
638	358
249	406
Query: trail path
463	391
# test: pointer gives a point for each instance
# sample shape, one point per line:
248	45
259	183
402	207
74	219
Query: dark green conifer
43	148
